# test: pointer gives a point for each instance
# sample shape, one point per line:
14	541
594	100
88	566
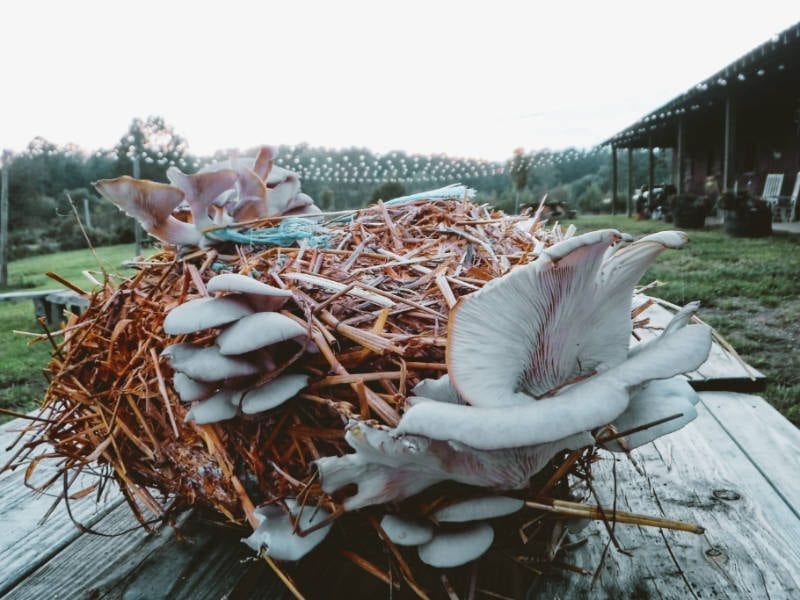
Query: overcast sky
469	79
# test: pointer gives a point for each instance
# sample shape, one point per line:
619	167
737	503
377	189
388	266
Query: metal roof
772	60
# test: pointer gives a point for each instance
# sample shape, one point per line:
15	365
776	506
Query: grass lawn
22	382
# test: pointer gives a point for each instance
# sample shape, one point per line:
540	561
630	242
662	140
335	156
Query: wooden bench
733	471
50	304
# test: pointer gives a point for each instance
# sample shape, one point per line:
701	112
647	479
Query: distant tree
155	144
387	191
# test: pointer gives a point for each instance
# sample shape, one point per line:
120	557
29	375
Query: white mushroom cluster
210	377
538	362
224	193
456	534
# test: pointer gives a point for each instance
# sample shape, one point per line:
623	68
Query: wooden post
137	229
4	165
651	167
679	152
629	202
728	174
613	180
87	216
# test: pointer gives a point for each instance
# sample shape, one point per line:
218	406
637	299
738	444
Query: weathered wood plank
721	372
204	561
26	542
765	436
698	474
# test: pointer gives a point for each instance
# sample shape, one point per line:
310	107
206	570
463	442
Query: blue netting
286	233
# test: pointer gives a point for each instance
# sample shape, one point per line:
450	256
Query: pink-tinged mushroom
454	548
258	330
264	162
252	202
478	509
207	364
151	204
276	534
201	190
406	532
272	394
205	313
542	357
280	196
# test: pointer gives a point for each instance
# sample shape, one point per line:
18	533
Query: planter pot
690	217
751	222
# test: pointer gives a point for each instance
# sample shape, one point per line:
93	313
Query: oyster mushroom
406	532
213	410
454	548
478	509
271	394
205	313
541	356
190	390
207	364
151	204
258	330
201	189
276	534
260	295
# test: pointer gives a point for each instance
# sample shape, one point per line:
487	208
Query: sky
471	79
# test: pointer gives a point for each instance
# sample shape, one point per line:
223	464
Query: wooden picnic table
733	471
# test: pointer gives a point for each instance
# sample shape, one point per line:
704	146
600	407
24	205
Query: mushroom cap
190	390
258	330
406	532
201	190
151	204
454	548
205	313
478	509
216	408
271	394
234	282
207	364
276	531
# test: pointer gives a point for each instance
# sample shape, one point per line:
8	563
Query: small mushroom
213	410
271	394
478	509
151	204
276	533
264	162
252	202
406	532
454	548
207	364
190	390
258	330
279	197
201	190
205	313
261	296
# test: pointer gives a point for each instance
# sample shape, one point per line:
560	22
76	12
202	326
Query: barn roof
766	66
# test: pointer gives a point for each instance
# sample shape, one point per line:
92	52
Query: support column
614	180
679	152
728	170
5	163
651	166
629	202
137	229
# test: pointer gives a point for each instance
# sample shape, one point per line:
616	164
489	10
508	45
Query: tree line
49	186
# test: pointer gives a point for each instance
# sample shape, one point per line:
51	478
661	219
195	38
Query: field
749	290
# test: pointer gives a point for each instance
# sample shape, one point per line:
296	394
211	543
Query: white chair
772	191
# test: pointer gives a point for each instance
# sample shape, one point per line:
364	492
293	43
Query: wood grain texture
698	474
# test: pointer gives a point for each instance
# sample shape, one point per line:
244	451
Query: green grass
30	273
22	382
749	291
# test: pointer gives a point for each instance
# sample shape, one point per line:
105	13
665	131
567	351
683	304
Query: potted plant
744	215
688	211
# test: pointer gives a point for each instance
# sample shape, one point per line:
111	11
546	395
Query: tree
154	144
387	191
